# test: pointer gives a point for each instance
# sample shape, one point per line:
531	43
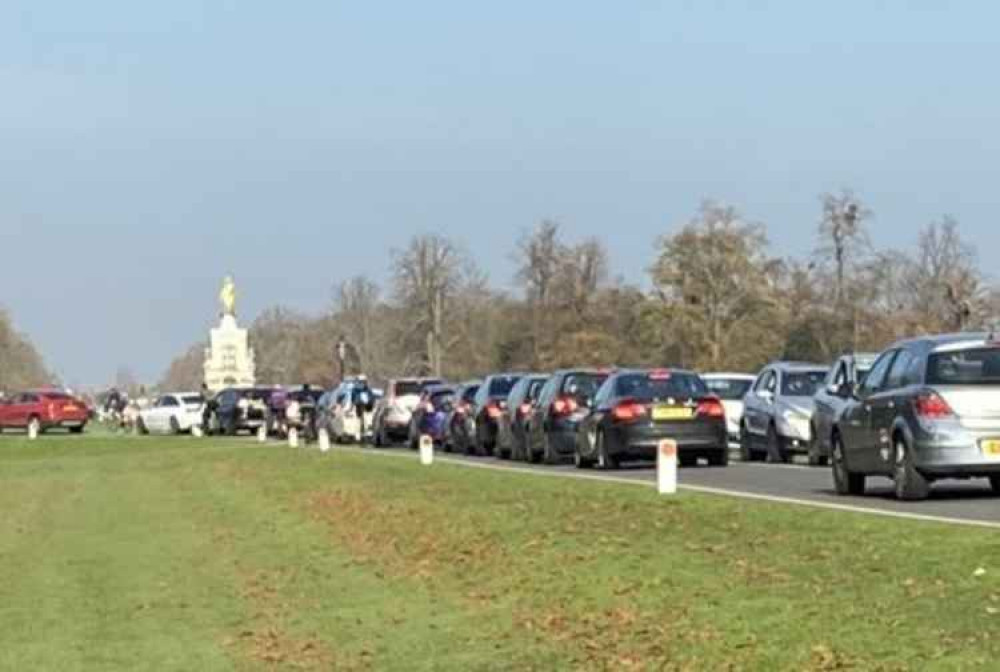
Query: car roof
945	342
735	376
620	372
799	366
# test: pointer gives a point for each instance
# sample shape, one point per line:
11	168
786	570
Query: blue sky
146	149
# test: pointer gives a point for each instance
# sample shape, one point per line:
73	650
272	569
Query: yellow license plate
991	448
672	413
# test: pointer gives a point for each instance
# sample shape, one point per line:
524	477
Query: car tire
549	456
910	484
76	430
995	484
605	460
775	453
845	482
140	425
581	462
816	458
747	452
175	427
719	458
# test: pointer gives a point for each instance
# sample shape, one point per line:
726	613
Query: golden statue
227	296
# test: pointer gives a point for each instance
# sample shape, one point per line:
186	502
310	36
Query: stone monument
229	359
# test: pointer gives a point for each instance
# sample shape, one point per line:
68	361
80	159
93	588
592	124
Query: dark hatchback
635	410
489	405
556	416
458	430
511	437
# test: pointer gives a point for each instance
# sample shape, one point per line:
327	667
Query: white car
730	388
343	421
173	413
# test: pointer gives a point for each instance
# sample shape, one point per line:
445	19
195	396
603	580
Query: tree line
717	299
21	365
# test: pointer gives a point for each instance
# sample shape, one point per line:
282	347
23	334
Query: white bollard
426	450
196	431
293	438
262	434
666	467
32	431
324	440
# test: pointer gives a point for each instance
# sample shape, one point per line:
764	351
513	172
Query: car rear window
802	383
193	399
979	366
408	388
56	396
502	385
729	389
583	385
470	393
649	387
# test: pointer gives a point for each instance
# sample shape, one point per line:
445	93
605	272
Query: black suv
239	409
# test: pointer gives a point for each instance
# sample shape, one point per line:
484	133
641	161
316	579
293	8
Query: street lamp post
341	354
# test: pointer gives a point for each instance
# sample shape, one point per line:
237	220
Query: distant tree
187	371
843	236
21	366
945	284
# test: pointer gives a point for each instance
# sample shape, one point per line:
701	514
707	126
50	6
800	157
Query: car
563	401
239	409
929	409
296	407
511	437
392	414
174	413
431	414
488	406
459	429
777	411
830	400
634	410
41	410
340	413
731	388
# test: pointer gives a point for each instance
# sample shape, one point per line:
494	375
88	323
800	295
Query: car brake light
524	409
564	406
932	406
493	410
628	410
660	374
710	407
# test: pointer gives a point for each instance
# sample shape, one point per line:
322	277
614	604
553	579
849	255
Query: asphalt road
953	501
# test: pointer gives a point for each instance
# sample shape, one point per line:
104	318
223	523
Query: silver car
929	409
778	411
846	373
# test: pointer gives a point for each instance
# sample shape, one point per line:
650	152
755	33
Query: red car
45	409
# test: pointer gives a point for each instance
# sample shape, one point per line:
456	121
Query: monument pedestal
229	360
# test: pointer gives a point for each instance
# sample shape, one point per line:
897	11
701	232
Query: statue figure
227	296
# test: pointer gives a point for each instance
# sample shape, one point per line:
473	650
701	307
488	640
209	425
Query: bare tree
843	235
945	283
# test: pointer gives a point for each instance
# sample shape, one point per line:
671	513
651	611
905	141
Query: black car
511	438
635	410
489	405
458	430
555	417
239	409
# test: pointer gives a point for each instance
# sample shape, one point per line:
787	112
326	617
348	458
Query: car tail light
710	408
524	409
462	408
493	410
427	407
660	374
564	406
628	410
930	405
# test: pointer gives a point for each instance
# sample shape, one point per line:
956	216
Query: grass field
180	554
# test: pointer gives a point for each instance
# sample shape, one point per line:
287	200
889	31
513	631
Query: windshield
802	383
965	367
470	393
502	385
193	399
729	389
583	385
438	399
645	387
408	388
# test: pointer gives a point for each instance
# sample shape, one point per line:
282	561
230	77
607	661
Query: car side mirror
846	391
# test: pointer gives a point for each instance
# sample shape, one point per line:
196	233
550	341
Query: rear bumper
965	460
642	442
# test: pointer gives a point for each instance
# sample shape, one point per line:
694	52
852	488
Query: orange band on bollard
668	448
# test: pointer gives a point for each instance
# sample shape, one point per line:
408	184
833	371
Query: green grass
180	554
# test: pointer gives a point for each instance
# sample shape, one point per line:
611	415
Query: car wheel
549	455
76	430
175	427
775	454
816	458
910	483
845	481
140	425
579	461
719	458
995	484
605	460
747	453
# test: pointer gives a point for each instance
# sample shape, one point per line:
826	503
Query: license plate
991	448
672	413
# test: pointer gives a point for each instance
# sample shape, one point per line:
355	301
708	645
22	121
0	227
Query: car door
536	420
885	406
861	442
599	410
757	409
828	402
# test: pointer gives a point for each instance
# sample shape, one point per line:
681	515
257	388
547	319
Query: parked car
731	388
459	429
778	409
564	400
238	409
298	408
634	410
431	413
929	409
392	414
42	410
511	437
488	406
348	413
830	400
174	413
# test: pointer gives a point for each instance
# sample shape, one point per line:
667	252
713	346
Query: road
959	502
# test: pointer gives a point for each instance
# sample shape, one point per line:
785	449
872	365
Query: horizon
149	151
